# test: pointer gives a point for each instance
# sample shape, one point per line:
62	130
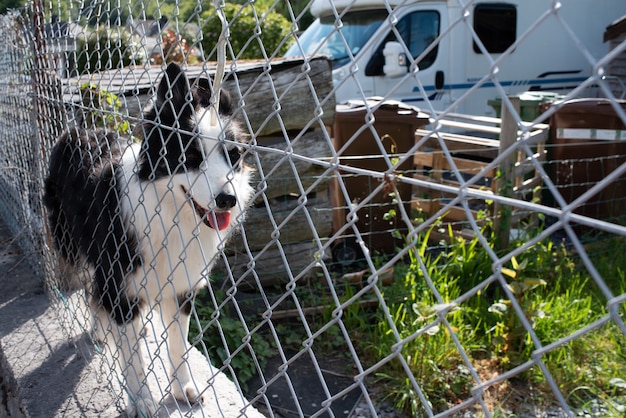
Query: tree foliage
6	5
255	31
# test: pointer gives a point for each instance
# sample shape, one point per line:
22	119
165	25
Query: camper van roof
325	7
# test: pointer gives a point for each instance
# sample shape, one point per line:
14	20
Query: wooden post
508	137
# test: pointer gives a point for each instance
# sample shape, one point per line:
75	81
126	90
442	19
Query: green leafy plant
510	336
556	297
430	353
105	109
416	338
227	342
244	21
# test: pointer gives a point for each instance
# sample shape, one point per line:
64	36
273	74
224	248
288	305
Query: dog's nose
225	201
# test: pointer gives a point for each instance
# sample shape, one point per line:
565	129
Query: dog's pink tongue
219	220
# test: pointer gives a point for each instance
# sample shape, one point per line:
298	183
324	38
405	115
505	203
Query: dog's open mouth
215	219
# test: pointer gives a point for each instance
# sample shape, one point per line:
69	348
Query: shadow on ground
299	390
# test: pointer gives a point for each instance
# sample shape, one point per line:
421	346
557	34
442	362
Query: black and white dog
149	219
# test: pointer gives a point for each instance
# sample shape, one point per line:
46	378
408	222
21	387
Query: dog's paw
188	393
142	405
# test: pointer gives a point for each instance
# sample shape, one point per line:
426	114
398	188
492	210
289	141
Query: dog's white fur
163	214
175	244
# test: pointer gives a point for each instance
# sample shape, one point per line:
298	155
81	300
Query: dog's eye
234	155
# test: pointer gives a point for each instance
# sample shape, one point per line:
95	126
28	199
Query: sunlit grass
558	298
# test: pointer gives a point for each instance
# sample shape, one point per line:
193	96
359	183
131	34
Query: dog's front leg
128	338
176	314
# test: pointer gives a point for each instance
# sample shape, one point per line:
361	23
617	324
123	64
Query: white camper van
413	50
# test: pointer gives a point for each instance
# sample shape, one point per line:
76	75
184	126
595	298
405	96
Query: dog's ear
203	96
226	105
173	107
173	93
203	91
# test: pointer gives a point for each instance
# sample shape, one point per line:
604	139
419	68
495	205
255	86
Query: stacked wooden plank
288	107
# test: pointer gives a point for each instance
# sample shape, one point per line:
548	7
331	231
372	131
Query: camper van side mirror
395	60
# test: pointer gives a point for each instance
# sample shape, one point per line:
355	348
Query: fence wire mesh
458	253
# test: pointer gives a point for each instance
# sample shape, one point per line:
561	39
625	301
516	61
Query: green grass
555	291
556	294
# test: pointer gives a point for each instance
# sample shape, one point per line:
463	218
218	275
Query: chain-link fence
434	225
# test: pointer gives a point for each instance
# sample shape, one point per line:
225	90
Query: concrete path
46	373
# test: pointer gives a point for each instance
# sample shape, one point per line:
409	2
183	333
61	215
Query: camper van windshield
323	36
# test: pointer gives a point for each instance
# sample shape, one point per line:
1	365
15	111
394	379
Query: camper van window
417	31
323	36
496	26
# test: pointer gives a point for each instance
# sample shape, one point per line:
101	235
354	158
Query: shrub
249	39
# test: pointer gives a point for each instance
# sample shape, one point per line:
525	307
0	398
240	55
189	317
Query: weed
227	342
550	286
428	328
107	107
